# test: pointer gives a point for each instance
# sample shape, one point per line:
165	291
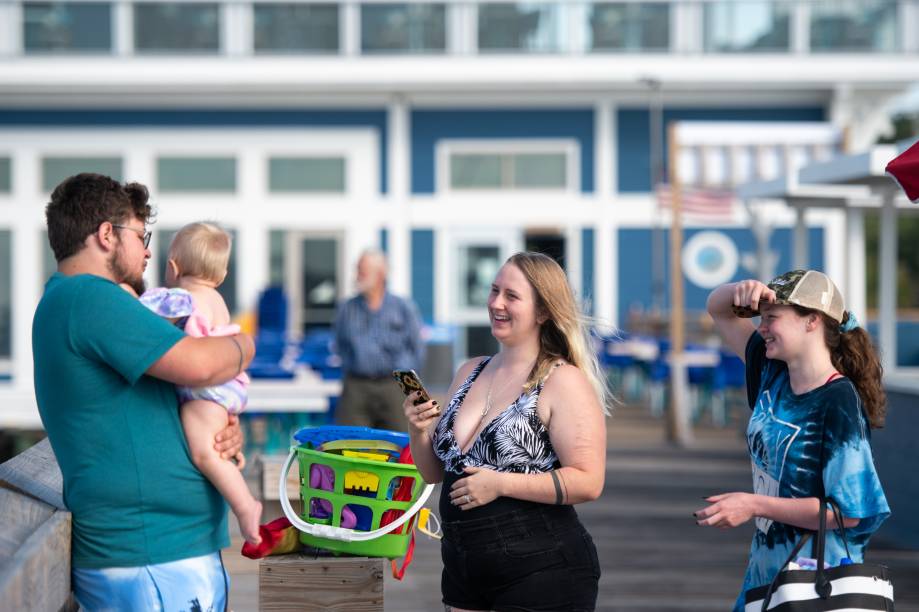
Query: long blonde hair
565	332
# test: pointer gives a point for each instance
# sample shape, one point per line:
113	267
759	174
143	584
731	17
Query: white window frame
568	147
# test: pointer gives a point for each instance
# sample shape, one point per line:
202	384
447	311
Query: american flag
698	201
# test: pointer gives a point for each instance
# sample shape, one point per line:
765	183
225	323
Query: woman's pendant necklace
487	407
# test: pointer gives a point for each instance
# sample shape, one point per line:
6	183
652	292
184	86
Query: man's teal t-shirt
135	496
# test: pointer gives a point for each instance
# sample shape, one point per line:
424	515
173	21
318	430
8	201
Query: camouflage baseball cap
805	288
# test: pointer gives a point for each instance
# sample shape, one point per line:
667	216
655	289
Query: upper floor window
196	174
165	27
629	26
296	28
520	27
67	26
747	26
403	28
56	169
509	166
6	175
853	25
306	174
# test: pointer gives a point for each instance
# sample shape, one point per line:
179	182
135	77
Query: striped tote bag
851	588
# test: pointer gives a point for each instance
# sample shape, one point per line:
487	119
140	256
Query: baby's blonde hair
201	250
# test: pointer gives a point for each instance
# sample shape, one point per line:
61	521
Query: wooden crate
306	582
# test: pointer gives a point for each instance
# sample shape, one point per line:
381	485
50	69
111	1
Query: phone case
410	382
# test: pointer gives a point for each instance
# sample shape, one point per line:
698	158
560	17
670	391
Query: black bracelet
558	488
239	368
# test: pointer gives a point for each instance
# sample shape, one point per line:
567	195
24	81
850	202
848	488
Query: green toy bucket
362	487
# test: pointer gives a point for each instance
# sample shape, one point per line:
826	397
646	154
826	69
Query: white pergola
851	183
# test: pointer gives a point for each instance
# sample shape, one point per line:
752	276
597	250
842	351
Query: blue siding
206	118
633	140
423	272
636	267
587	269
428	127
894	449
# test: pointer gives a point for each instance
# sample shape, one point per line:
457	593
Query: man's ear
105	236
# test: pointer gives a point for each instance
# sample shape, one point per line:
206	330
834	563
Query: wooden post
307	583
678	430
34	534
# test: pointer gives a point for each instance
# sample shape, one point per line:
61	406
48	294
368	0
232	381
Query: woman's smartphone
410	383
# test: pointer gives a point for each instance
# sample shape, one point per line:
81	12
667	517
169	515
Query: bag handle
340	533
822	583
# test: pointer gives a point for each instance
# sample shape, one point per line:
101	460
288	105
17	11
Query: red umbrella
904	168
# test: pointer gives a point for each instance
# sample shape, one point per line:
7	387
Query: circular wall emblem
710	259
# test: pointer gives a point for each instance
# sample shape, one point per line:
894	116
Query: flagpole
678	429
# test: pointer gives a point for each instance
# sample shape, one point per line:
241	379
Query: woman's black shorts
540	558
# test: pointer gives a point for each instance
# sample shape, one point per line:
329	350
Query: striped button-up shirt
373	343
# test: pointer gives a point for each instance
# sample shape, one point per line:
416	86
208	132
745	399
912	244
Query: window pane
307	174
520	27
276	257
296	27
6	293
747	26
6	175
67	26
319	269
859	25
217	174
56	169
176	27
629	27
479	265
539	170
475	171
162	240
412	28
48	262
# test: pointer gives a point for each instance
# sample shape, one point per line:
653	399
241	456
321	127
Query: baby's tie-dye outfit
180	305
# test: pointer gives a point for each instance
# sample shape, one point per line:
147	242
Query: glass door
314	276
477	258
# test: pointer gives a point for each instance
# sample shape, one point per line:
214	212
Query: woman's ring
468	499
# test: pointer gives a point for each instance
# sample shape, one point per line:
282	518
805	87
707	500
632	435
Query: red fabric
402	493
904	168
278	537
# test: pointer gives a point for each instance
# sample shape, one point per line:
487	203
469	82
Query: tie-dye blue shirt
805	446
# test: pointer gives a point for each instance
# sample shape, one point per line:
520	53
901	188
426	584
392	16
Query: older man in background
376	332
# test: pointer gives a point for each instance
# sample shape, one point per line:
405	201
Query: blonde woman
522	440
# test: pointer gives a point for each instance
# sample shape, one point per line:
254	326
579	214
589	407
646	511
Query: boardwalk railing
34	534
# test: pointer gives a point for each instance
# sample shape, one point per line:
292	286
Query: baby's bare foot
248	522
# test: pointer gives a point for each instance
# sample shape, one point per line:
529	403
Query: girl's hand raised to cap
751	292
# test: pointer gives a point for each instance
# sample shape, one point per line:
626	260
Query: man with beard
147	526
376	332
